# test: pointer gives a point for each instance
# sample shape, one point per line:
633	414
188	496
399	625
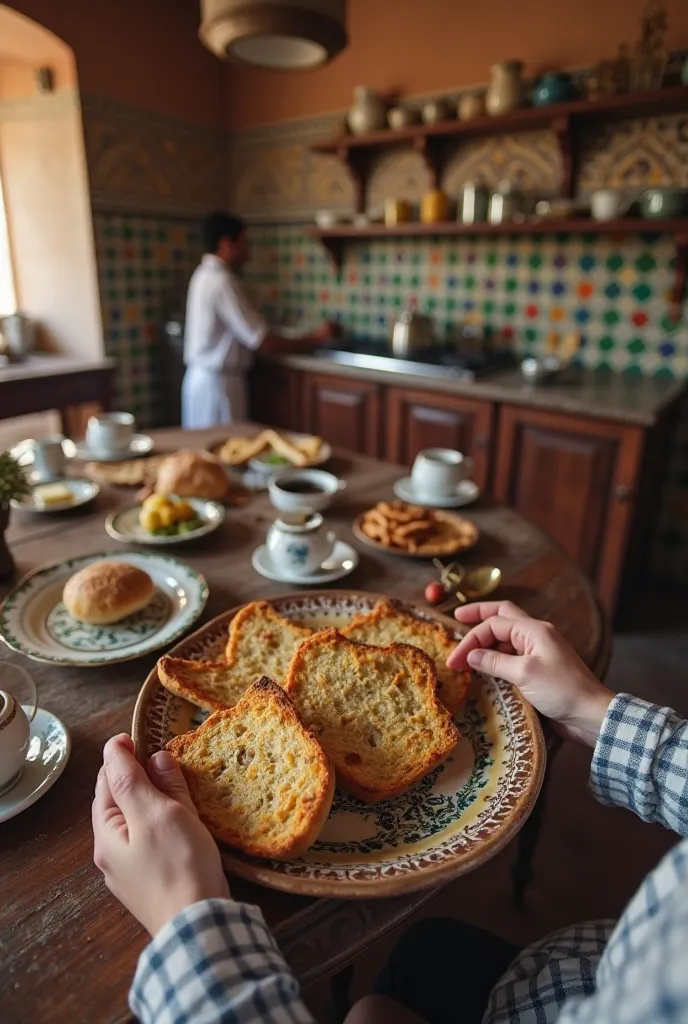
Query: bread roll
192	474
106	592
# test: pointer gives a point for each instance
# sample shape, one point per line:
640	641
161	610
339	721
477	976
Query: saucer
341	562
466	492
47	757
82	491
140	444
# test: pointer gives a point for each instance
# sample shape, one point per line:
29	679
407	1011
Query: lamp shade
280	34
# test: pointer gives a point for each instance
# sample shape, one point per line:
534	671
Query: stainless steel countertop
623	398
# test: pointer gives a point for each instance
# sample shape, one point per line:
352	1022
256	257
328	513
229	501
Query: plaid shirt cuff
215	961
641	762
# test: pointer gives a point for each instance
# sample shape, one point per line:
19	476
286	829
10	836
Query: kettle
411	333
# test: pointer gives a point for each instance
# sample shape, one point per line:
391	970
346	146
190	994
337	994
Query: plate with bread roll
403	529
331	752
271	450
102	609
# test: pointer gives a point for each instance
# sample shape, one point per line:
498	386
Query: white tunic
222	330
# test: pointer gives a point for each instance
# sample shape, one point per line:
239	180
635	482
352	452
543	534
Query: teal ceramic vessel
554	87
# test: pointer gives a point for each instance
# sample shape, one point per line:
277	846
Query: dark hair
217	226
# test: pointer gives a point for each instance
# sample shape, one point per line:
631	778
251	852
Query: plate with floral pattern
452	821
35	621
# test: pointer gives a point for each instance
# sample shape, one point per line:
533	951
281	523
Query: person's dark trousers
444	970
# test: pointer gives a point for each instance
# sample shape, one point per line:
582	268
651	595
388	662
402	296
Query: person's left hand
156	854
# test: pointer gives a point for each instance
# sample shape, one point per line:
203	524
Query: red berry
434	593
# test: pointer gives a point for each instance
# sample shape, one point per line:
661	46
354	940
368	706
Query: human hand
533	656
155	853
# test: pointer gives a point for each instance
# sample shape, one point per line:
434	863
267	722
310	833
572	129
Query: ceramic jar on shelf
471	106
505	91
368	113
553	87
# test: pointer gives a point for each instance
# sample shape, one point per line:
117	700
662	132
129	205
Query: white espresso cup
15	731
110	432
49	458
439	471
298	543
606	204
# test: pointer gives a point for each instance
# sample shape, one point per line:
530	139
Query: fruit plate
455	819
35	622
456	533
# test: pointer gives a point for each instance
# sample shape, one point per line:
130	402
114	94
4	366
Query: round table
68	948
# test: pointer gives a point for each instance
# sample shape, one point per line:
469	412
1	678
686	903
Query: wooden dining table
68	949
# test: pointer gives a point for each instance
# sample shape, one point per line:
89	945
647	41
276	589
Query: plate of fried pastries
331	752
270	451
404	529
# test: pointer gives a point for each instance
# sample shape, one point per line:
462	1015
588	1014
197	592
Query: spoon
475	584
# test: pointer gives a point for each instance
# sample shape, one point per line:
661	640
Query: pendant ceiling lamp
280	34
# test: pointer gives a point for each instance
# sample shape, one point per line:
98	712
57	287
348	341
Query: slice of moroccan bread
262	642
259	779
390	623
210	685
374	710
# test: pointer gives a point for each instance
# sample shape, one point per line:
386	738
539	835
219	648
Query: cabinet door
344	412
275	396
575	478
430	419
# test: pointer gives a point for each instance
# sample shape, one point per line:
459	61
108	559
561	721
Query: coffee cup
606	204
312	489
15	729
48	457
110	433
298	543
437	472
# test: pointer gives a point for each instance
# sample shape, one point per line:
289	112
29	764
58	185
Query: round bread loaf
192	474
106	592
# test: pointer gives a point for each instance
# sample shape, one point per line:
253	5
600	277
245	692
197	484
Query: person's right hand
534	657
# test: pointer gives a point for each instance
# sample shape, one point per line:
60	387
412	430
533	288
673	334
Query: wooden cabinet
427	419
345	412
275	396
576	478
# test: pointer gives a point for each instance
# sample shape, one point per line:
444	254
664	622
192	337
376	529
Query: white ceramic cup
606	204
286	499
49	458
17	688
298	543
110	432
439	471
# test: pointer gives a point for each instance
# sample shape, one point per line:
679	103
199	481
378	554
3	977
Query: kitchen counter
42	381
634	400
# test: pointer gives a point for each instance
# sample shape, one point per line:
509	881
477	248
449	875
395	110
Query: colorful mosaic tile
144	265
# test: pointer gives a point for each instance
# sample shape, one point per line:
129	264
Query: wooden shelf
336	239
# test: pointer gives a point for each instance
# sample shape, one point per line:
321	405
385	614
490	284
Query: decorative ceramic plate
455	819
465	494
125	525
35	622
341	562
82	492
140	444
46	759
464	531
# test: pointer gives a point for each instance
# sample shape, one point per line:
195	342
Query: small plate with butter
58	495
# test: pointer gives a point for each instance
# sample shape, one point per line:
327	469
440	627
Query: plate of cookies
404	529
269	451
101	609
331	752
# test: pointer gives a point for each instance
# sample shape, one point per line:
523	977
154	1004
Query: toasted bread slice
390	623
262	642
260	780
373	709
286	448
236	451
210	685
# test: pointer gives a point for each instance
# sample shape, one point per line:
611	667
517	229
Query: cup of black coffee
312	489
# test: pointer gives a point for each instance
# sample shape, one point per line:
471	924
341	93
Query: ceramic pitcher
368	112
506	88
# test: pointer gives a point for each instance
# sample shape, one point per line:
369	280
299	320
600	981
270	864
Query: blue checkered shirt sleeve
641	762
634	972
216	961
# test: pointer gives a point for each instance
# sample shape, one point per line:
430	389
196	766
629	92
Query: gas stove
438	361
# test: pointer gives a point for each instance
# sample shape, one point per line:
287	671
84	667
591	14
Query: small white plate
125	526
49	750
83	491
35	622
140	444
341	562
466	493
